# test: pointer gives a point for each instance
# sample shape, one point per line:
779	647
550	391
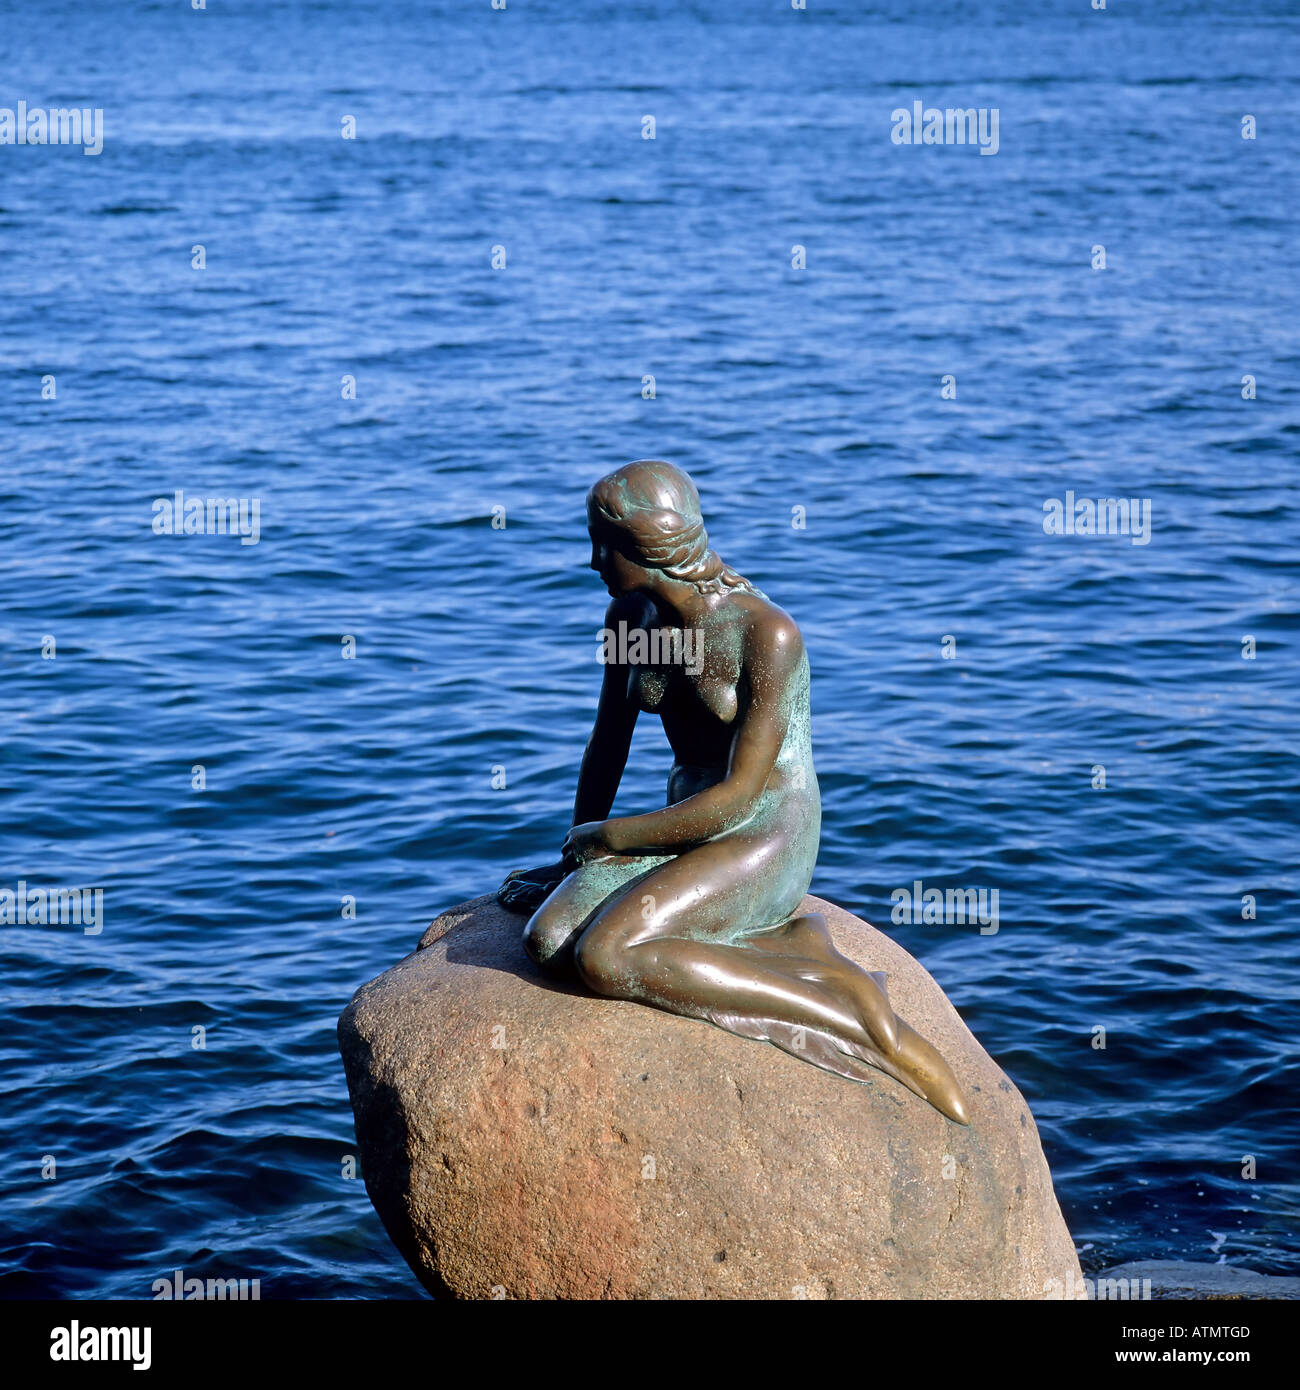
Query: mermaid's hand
593	840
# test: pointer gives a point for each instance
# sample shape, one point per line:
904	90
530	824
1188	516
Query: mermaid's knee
594	962
546	938
602	961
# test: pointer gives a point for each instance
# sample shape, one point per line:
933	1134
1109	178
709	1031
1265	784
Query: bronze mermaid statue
694	908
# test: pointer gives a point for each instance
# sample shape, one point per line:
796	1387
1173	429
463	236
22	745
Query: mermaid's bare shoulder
771	637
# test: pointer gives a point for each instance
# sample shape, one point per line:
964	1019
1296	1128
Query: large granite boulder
524	1139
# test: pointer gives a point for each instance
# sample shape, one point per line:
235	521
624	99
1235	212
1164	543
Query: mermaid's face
620	574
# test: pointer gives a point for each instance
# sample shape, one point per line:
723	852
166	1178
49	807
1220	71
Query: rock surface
522	1138
1186	1279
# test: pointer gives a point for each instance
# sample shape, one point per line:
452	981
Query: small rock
1172	1279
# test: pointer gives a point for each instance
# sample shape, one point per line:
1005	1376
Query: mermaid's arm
772	656
606	753
524	890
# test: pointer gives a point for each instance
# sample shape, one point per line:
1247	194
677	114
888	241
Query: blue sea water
1121	908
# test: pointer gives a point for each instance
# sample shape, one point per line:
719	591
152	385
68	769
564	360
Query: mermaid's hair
656	511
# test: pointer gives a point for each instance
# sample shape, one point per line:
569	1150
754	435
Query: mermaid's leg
674	943
557	924
804	946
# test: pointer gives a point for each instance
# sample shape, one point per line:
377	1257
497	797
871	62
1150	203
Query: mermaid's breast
678	694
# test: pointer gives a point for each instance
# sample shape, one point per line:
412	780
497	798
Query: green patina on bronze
694	908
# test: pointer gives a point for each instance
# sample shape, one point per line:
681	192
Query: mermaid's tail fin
917	1065
932	1075
811	1045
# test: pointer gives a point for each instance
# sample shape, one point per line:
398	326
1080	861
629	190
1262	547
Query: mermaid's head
648	513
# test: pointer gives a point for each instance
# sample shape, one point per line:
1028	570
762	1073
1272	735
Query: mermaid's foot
525	890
